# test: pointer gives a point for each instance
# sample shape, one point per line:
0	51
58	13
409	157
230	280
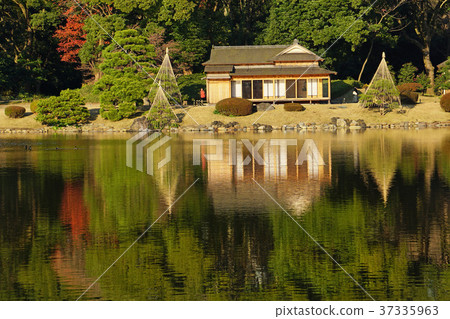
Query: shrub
14	112
408	97
354	83
445	102
294	107
34	106
411	87
339	88
190	86
234	106
110	112
89	94
408	93
63	110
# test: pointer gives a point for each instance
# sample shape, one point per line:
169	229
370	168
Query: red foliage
409	87
71	35
74	212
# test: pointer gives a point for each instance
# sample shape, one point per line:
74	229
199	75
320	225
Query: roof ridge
250	46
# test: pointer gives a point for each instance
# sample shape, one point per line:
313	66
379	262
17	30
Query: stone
263	107
140	124
217	123
341	123
361	123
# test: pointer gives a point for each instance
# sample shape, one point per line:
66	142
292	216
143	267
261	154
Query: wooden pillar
329	90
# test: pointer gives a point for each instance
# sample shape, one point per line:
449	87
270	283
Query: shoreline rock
220	127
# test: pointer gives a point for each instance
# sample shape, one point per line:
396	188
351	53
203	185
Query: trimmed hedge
34	106
408	93
63	110
234	106
445	102
14	112
294	107
412	87
408	97
339	88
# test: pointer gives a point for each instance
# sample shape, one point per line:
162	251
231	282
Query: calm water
380	206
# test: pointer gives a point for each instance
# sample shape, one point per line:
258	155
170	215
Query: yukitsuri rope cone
161	114
167	81
382	92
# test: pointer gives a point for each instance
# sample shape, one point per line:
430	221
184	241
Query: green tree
26	38
126	78
425	19
161	114
382	94
97	39
407	73
443	79
317	25
381	23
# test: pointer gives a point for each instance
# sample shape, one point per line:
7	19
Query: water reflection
379	205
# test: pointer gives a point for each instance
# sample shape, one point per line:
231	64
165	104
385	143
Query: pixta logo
213	150
309	151
161	140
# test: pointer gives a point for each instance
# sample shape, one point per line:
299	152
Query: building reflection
231	179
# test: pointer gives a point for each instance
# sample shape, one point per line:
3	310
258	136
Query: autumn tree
71	36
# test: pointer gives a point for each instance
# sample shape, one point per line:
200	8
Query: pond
372	222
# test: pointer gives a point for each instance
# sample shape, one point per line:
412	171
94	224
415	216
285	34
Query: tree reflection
66	216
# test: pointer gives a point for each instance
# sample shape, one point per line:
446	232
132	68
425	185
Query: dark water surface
379	206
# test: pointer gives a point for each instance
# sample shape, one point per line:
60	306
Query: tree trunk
428	66
367	59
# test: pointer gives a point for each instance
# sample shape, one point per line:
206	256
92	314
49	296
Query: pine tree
126	78
167	81
161	114
382	92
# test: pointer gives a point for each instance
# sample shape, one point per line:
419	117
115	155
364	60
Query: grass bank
428	110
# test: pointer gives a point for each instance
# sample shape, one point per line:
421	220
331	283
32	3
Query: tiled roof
281	70
219	68
296	57
254	54
230	59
